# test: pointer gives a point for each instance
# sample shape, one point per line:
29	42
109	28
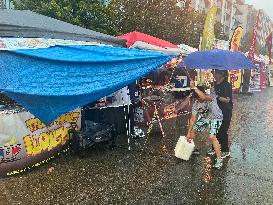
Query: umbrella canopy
218	59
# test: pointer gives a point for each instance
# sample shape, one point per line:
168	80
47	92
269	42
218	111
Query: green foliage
160	18
163	19
91	14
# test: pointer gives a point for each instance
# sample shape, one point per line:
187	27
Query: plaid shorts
202	123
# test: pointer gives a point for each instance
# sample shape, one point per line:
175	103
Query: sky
267	5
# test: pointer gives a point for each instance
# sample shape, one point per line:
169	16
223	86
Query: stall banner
255	79
271	75
235	78
208	38
254	37
25	140
34	43
236	38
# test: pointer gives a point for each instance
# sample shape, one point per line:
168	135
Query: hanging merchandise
255	79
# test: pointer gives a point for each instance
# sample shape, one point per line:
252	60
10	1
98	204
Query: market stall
258	75
163	94
50	80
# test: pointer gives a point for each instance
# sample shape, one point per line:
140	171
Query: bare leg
216	146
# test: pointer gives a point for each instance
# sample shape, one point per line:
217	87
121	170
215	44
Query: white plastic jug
183	149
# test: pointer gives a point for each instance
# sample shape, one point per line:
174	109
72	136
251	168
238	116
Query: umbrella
217	59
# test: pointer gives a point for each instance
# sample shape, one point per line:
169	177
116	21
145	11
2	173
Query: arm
192	121
224	99
202	95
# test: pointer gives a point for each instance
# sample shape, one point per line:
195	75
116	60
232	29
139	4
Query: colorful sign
236	38
251	53
208	38
25	140
235	78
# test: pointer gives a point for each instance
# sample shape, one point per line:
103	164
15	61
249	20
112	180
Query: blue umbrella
217	59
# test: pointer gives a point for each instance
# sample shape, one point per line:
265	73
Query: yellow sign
235	78
42	139
236	38
208	39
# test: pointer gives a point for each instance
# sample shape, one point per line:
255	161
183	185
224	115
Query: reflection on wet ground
152	175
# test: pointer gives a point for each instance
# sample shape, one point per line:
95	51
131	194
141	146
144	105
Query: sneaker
196	152
218	164
225	154
211	152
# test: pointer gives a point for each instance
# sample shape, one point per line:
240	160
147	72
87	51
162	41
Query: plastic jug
183	149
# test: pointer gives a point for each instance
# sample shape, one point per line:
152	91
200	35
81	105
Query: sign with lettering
25	140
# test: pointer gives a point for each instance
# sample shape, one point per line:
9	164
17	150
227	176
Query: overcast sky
267	5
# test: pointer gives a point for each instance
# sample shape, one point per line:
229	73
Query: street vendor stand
258	75
52	79
164	90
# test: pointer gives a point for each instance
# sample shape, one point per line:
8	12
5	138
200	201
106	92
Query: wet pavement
153	175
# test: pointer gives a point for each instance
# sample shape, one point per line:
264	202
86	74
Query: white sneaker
211	152
225	155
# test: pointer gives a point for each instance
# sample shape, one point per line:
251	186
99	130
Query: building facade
6	4
227	14
233	13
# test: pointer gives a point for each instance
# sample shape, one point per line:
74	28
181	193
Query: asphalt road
154	176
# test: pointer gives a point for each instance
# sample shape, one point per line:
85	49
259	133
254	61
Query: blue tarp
50	82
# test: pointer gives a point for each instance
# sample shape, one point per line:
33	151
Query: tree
163	19
88	14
